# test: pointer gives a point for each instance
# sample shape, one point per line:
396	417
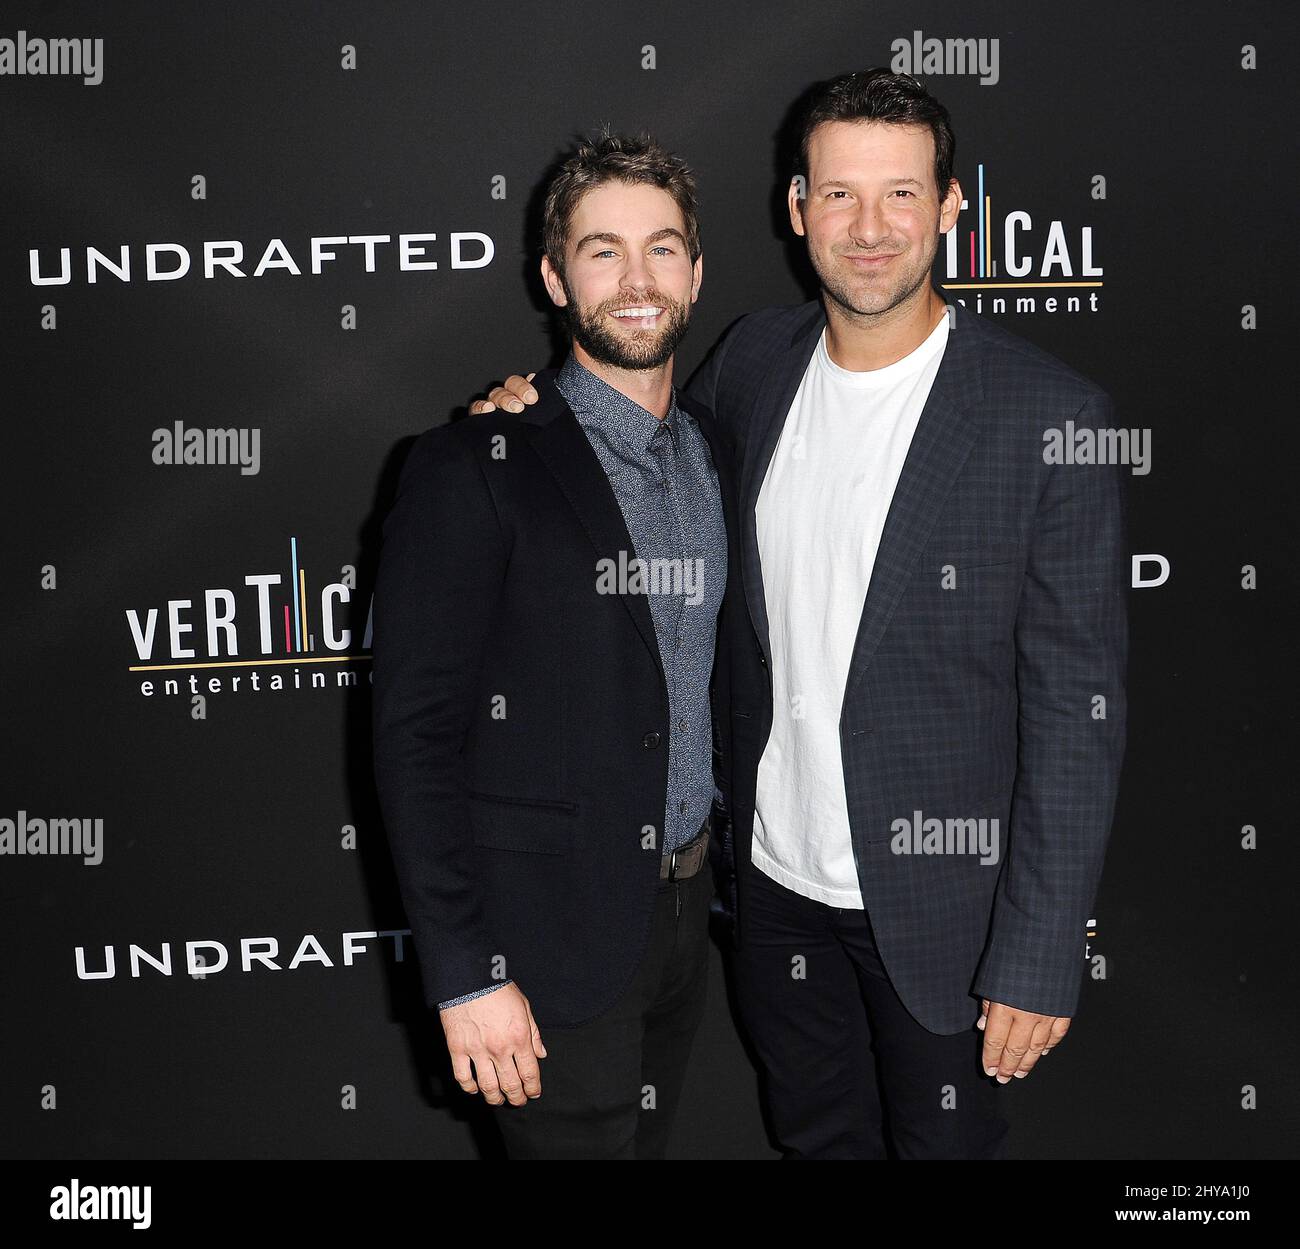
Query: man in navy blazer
545	626
925	641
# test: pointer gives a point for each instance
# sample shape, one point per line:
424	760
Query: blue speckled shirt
667	489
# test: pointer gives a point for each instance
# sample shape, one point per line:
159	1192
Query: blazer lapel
776	393
719	453
942	441
562	446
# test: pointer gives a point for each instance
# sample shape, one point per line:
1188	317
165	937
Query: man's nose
636	274
868	224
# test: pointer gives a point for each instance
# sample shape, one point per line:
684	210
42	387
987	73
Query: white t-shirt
820	513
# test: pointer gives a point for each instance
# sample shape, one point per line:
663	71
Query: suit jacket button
650	741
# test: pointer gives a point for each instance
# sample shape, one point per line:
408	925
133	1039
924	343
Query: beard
866	300
643	349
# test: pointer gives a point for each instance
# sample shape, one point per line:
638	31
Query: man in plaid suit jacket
985	679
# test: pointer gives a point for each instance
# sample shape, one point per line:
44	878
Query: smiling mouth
643	316
871	260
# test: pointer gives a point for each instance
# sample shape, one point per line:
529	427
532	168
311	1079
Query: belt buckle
705	828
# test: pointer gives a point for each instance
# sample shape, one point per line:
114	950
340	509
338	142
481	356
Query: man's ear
795	197
950	207
554	287
697	277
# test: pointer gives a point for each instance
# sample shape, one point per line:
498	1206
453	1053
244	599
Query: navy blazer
1002	697
521	721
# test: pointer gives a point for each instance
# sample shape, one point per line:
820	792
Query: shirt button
681	724
650	741
681	806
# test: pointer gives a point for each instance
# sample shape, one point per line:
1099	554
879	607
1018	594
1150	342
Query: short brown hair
622	158
879	95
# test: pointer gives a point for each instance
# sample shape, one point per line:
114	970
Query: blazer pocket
990	556
531	825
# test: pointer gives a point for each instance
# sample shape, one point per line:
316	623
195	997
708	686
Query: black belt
685	861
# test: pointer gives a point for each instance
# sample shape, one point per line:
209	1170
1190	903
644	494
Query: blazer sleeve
1071	638
441	568
702	391
703	385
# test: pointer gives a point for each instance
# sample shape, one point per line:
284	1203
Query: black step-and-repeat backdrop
250	250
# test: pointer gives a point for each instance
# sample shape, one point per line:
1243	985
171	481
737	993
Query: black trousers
610	1088
848	1072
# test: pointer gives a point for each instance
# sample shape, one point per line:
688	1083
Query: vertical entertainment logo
1015	253
289	628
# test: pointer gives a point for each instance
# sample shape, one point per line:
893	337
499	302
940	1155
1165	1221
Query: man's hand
510	396
1014	1039
497	1033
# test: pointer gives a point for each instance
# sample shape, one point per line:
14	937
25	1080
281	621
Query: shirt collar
595	402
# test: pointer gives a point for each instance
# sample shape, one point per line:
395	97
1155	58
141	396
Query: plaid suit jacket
987	677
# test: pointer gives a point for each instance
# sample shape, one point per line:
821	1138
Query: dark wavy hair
878	95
